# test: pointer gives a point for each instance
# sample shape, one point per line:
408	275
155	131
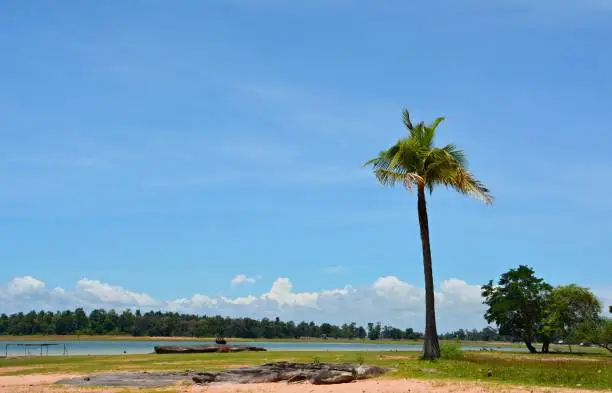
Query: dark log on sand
317	374
205	348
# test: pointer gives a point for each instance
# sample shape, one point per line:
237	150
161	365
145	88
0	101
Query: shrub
451	351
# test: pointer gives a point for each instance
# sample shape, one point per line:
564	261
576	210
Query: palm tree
414	162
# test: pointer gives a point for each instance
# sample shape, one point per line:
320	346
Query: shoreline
238	340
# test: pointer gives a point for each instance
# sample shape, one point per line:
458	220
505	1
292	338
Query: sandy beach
44	383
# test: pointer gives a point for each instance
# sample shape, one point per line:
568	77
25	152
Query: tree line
171	324
527	308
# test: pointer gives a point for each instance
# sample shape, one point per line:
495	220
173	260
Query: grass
592	371
451	351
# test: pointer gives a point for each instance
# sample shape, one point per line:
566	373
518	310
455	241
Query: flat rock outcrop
317	374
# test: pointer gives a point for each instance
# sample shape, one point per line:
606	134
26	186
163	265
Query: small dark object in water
205	348
220	341
86	379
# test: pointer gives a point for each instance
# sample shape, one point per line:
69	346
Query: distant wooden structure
44	348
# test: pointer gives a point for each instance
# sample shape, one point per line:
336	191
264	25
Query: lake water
110	347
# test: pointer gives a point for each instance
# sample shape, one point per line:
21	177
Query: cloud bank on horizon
388	300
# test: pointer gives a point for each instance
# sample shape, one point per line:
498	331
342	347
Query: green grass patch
451	351
592	371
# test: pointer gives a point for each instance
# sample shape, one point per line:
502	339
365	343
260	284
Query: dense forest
169	324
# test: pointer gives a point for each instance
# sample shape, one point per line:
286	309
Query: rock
364	372
298	378
329	377
317	374
204	378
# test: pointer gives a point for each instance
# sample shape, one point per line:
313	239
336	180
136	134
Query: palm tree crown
415	161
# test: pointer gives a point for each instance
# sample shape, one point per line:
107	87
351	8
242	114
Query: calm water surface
102	347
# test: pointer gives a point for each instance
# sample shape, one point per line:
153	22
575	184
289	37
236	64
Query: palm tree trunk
431	346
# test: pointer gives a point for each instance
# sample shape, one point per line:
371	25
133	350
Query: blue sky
160	149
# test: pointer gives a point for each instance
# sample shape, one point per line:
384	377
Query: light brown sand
35	379
381	386
43	383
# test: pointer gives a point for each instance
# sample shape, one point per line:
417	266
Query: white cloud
97	291
461	291
241	279
241	300
389	300
197	301
26	285
281	292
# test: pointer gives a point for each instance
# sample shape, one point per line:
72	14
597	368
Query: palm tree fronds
406	119
393	177
437	122
457	154
428	136
414	160
465	183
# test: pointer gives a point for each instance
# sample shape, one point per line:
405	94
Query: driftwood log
317	374
204	348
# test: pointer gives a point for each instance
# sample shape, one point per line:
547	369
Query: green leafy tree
362	333
96	321
4	324
374	331
415	163
598	332
326	329
126	322
569	306
81	322
64	323
517	304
